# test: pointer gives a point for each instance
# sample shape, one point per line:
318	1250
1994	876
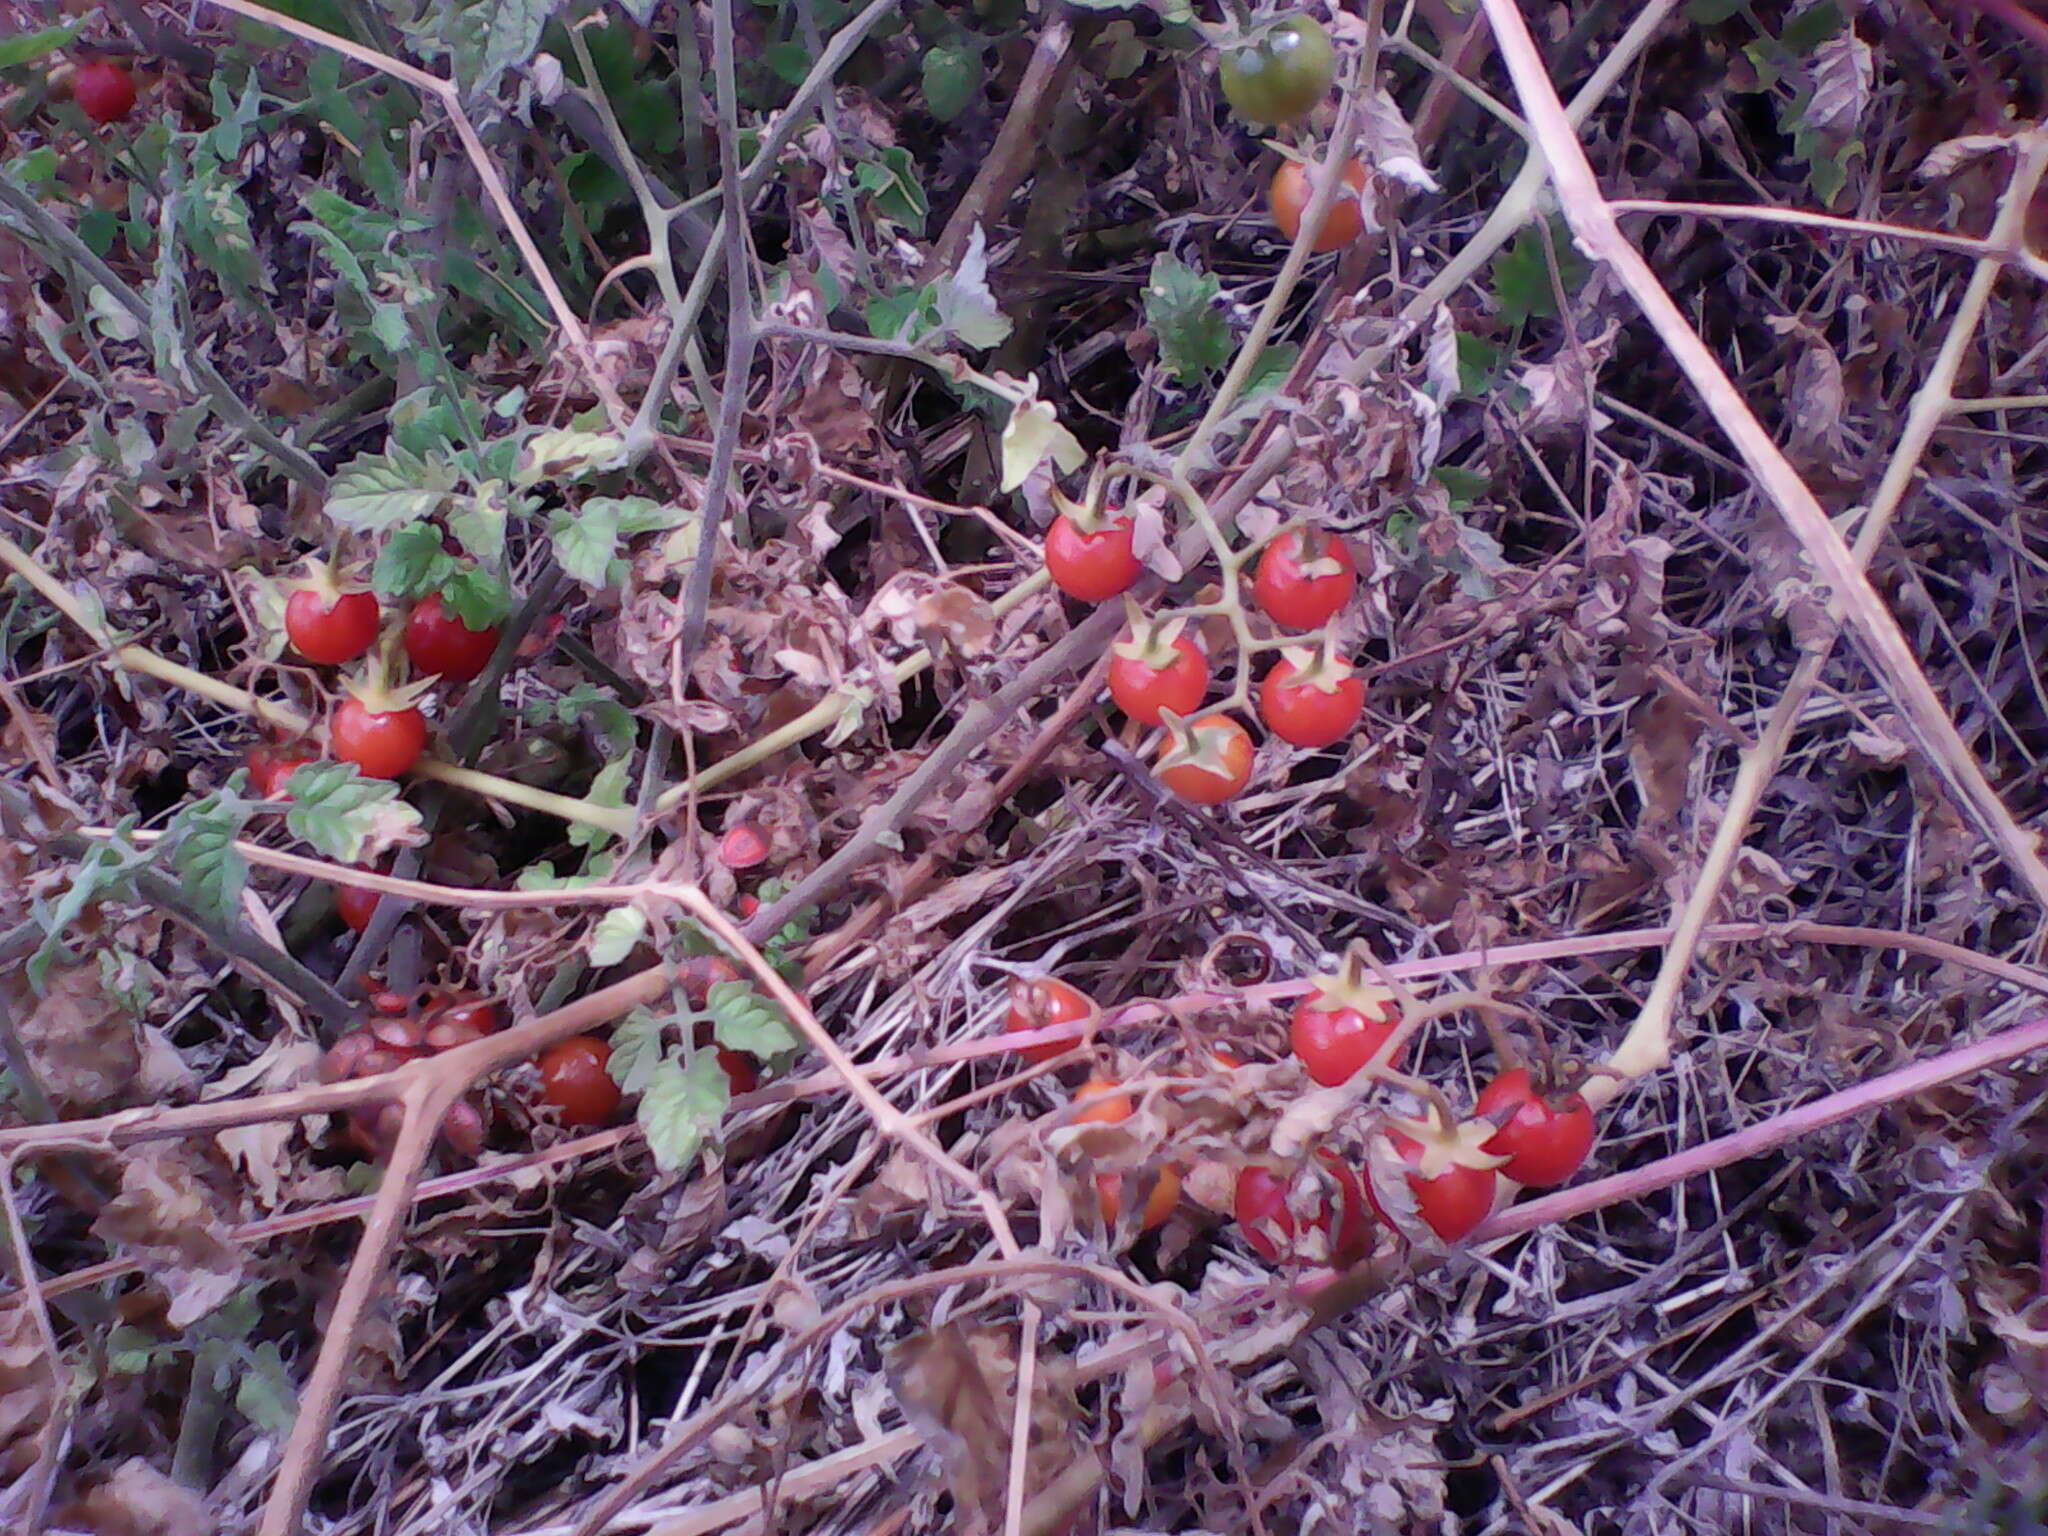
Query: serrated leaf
638	1045
381	491
1033	435
743	1020
339	811
478	522
106	870
608	789
966	308
111	317
681	1106
476	597
569	454
413	562
616	935
211	872
1180	308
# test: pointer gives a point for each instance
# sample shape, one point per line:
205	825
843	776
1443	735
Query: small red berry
1091	566
438	642
104	91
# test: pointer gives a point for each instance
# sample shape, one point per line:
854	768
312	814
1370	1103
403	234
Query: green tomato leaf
569	454
681	1106
264	1394
413	563
637	1049
1033	435
340	812
203	856
965	307
608	788
743	1020
377	492
476	597
1180	307
616	935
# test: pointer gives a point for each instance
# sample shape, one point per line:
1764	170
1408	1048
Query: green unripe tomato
1279	74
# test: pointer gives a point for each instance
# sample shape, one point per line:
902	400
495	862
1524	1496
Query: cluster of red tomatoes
1323	1211
380	730
574	1081
1158	675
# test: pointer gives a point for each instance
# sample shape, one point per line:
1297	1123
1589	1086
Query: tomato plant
271	768
1343	1024
574	1082
1039	1001
1155	668
1091	564
1452	1201
438	643
104	91
381	736
1279	74
1304	578
1545	1140
329	626
1311	701
1287	199
1207	762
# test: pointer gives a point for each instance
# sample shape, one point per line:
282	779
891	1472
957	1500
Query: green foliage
1521	274
587	537
584	702
337	810
743	1020
106	872
607	789
30	47
953	77
378	492
1181	308
681	1106
201	841
218	1348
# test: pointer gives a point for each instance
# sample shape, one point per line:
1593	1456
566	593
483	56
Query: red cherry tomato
1092	567
1160	1200
741	1075
270	769
743	846
330	632
1142	688
1297	599
574	1081
1287	197
1222	768
1302	713
381	743
1334	1044
1453	1203
1261	1208
356	905
104	91
438	642
747	906
1040	1001
1545	1141
460	1018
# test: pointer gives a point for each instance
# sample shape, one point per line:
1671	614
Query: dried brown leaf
174	1225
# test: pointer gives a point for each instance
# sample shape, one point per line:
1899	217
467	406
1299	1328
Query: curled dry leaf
28	1391
958	1387
170	1220
82	1044
138	1500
